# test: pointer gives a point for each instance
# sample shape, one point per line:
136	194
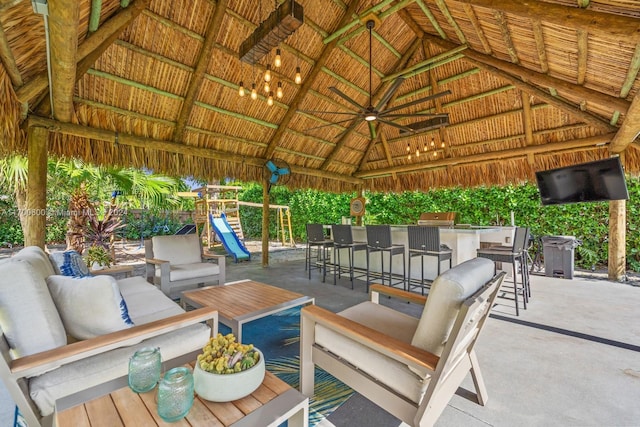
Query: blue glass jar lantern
144	369
175	394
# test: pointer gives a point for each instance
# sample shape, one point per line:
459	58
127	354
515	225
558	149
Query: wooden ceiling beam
632	73
63	36
91	48
401	63
501	21
8	60
451	20
307	84
473	18
434	22
583	51
538	35
201	68
630	128
91	133
527	118
599	140
607	25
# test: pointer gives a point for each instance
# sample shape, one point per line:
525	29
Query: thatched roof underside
534	85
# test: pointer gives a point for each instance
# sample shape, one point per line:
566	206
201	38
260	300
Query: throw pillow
89	306
69	263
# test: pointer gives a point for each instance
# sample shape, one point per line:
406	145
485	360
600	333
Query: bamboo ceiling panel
143	79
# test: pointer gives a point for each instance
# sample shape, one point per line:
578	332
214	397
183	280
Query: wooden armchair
410	367
176	263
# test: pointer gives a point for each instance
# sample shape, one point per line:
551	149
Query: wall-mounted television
585	182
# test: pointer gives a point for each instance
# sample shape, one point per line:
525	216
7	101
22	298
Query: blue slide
229	238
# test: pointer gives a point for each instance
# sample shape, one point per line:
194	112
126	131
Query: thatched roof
534	85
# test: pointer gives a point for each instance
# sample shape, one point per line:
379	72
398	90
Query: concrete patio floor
571	359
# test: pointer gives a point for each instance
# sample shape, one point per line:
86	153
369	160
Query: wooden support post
617	239
36	218
265	223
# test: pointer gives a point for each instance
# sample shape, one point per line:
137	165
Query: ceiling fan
379	112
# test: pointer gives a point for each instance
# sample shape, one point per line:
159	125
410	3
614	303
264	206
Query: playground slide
229	238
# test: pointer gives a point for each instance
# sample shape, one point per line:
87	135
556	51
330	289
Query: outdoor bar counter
463	241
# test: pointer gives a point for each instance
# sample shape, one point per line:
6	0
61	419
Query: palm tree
13	177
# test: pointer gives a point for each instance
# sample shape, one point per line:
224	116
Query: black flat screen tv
585	182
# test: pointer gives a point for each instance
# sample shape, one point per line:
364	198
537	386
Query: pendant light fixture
277	62
254	92
241	89
279	91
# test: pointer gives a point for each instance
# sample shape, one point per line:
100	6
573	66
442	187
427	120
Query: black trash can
558	255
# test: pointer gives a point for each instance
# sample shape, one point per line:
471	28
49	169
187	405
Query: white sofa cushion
92	371
28	316
446	296
390	372
191	271
177	249
38	260
89	306
146	302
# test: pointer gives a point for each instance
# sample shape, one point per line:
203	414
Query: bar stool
316	239
343	239
424	241
517	256
379	240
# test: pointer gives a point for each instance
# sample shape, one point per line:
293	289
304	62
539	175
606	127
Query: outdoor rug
278	337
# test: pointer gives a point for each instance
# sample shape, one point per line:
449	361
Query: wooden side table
270	405
114	270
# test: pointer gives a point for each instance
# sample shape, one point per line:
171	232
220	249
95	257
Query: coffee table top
123	407
238	299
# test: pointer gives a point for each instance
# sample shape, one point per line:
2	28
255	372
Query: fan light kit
378	113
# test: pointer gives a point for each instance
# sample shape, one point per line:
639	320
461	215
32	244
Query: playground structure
216	200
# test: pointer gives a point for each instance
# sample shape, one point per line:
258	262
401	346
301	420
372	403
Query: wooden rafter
91	48
8	60
307	84
605	24
401	63
423	64
527	120
630	128
583	50
491	156
538	35
201	67
171	147
434	22
433	82
473	18
632	73
63	35
450	19
94	17
501	21
351	19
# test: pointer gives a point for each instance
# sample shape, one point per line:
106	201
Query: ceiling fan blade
328	124
404	128
390	92
327	112
417	101
345	97
271	166
400	116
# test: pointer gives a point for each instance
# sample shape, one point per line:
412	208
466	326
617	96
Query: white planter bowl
228	387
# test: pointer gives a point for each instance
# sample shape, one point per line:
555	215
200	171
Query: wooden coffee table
241	302
270	405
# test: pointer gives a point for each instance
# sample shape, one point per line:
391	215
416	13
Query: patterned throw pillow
69	263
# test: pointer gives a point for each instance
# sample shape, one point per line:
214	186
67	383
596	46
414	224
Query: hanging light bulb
442	144
425	148
433	144
417	152
435	154
267	87
408	147
277	62
298	78
254	92
241	89
267	74
279	92
270	99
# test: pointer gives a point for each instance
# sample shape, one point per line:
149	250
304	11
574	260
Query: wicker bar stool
316	239
379	240
343	239
424	241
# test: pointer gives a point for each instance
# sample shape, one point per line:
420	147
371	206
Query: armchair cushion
178	249
394	374
29	318
89	306
146	302
69	263
38	260
191	271
447	294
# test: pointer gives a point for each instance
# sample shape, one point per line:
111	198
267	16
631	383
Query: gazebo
383	95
